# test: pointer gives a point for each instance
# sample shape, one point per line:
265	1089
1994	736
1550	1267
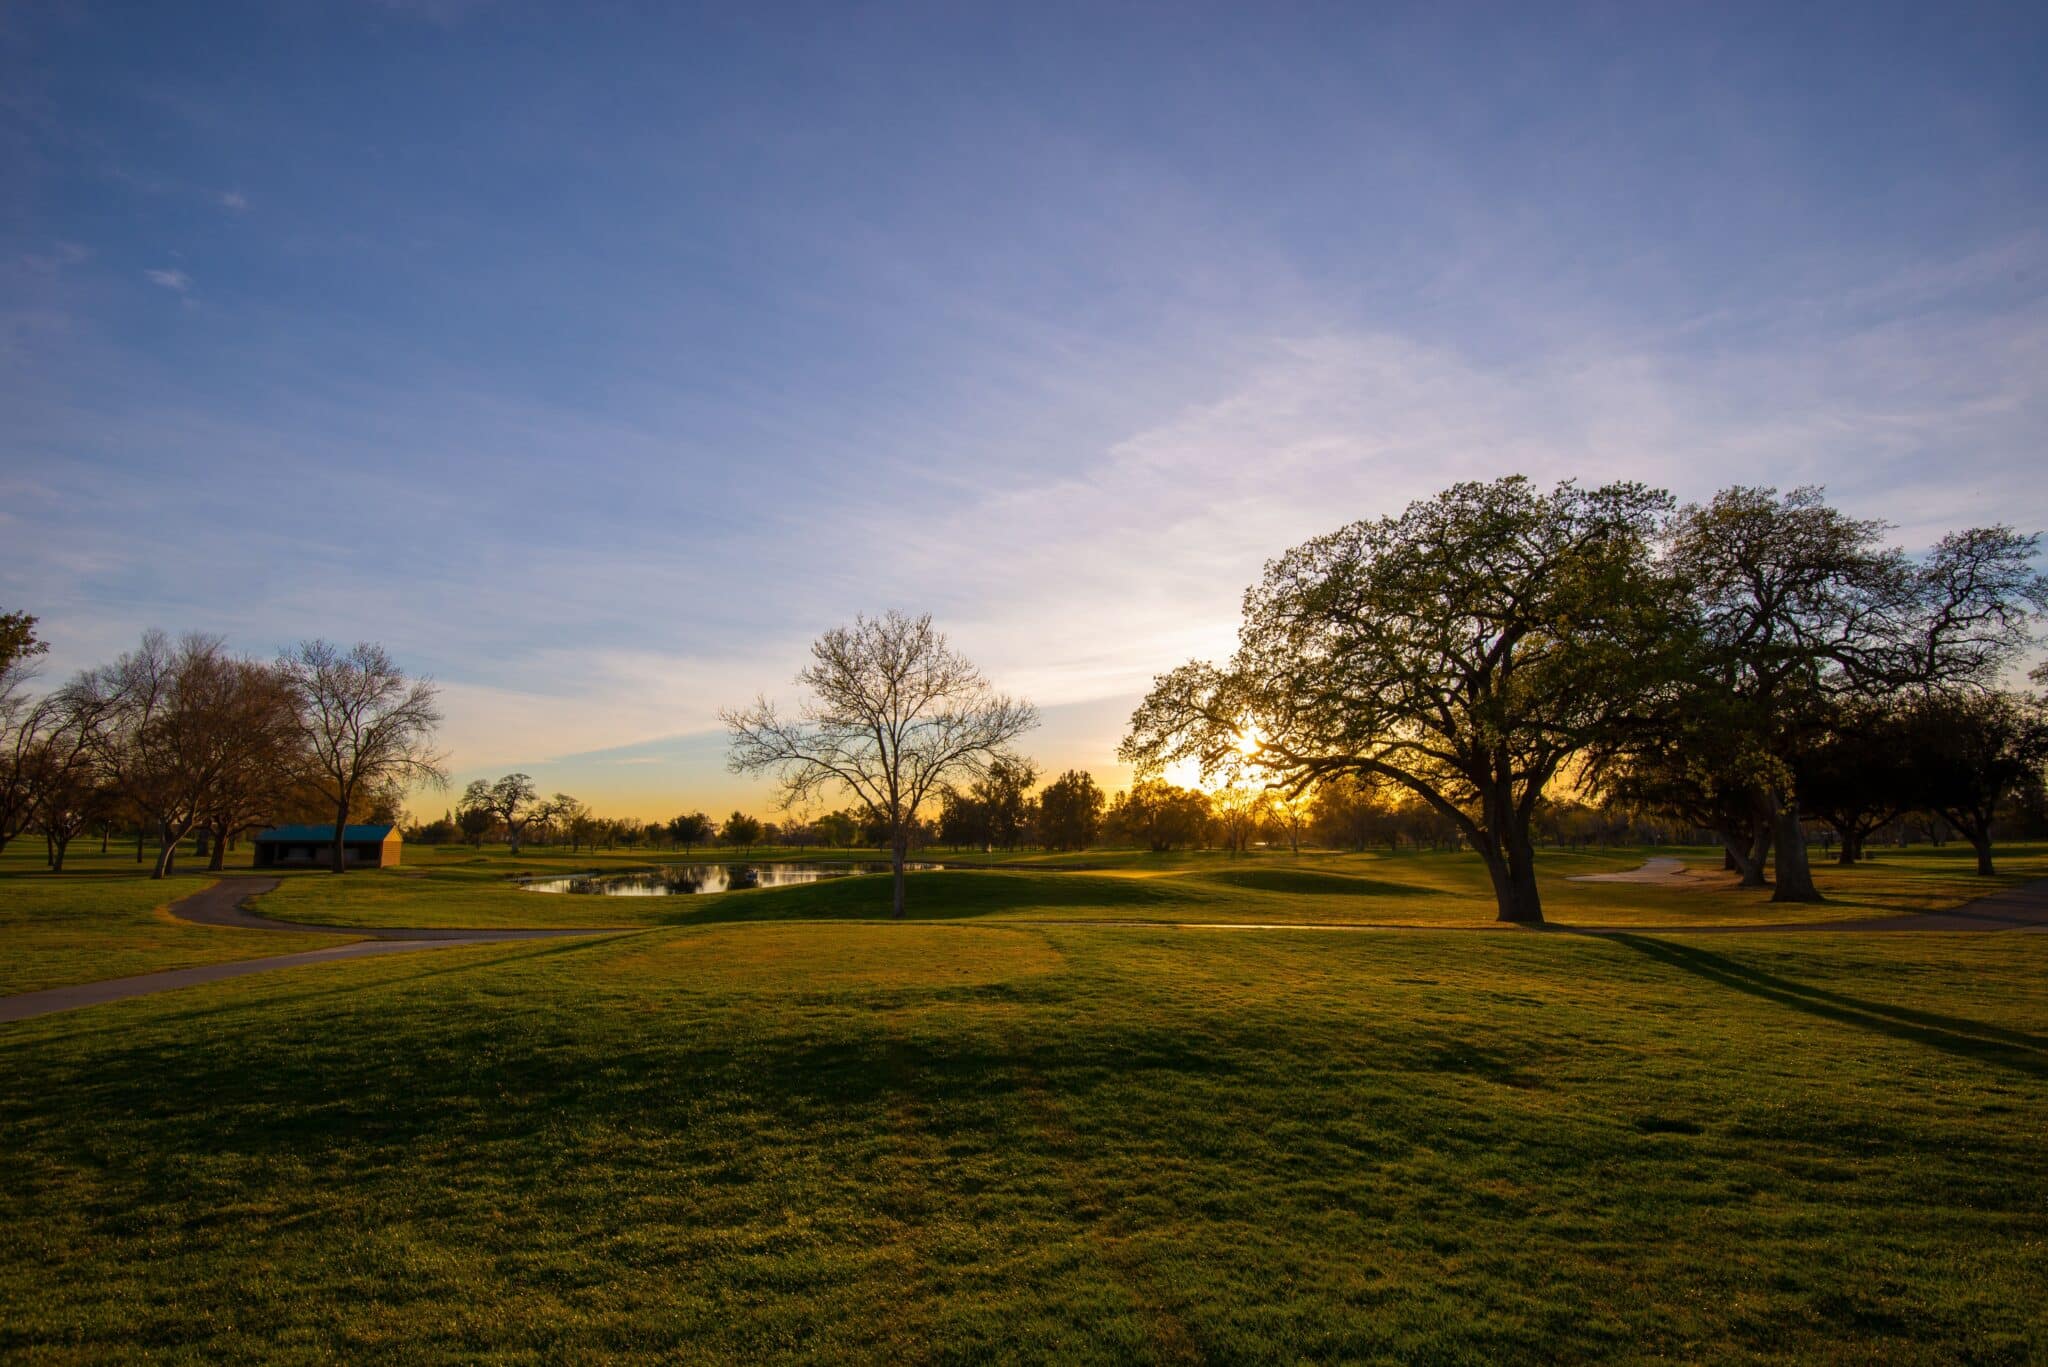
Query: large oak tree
1465	651
1802	611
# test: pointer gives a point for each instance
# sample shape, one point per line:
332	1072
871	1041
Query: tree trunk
1795	875
1759	851
1514	893
897	849
1512	865
220	853
1978	833
1745	859
341	838
166	852
57	855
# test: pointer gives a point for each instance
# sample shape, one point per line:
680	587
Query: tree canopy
1464	650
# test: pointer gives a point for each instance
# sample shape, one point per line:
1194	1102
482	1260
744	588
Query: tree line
183	737
1742	664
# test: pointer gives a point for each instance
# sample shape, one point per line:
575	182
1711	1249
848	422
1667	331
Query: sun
1187	773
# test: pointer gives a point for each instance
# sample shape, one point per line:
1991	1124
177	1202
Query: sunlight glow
1187	773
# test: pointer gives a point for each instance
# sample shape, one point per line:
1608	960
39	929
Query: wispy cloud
60	256
234	200
174	280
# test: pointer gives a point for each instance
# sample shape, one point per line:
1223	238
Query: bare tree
170	721
512	800
893	714
366	726
24	729
257	781
67	785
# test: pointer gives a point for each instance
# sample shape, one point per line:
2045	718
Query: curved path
222	905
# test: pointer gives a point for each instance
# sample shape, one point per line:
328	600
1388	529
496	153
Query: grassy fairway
467	888
959	1141
762	1126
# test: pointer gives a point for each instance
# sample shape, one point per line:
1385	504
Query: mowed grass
81	926
472	888
968	1141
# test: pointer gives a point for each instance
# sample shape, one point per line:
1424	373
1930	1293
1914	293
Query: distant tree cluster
183	737
1740	664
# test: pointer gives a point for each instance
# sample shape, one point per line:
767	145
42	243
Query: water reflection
679	880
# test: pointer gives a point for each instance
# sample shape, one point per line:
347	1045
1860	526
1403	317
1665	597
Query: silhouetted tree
475	823
1802	609
1855	777
1003	795
839	829
1158	815
1464	650
1971	753
690	830
741	830
512	801
1070	811
963	819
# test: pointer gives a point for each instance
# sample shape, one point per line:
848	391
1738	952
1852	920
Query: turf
80	927
969	1142
1439	888
767	1125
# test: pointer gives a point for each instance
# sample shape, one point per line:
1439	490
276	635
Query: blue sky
596	357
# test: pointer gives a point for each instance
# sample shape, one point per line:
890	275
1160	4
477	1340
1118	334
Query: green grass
959	1142
772	1127
80	927
478	889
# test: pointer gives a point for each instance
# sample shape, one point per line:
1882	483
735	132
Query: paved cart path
222	905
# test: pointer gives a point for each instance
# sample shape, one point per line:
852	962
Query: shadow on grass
948	894
2006	1048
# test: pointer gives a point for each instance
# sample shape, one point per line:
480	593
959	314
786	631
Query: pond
682	880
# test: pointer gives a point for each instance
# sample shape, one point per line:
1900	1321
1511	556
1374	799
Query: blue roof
325	834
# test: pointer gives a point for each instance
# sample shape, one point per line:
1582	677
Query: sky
595	358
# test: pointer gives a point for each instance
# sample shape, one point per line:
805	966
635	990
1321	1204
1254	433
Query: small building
295	847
